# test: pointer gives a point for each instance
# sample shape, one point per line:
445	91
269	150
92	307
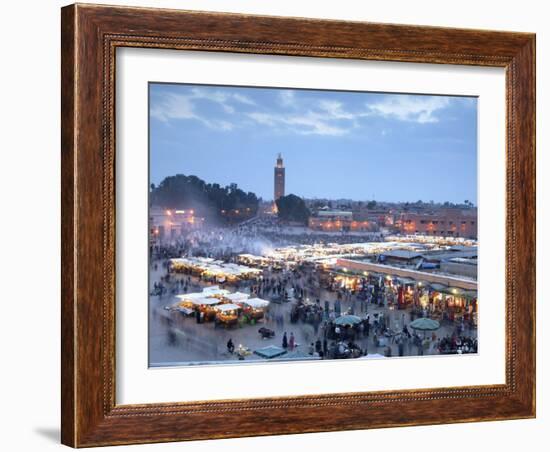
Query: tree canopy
292	208
209	200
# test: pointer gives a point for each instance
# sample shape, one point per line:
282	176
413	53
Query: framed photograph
281	225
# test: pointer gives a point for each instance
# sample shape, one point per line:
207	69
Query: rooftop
402	254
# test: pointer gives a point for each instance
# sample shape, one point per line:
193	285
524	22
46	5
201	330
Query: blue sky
335	144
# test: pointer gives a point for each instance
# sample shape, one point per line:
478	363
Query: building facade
443	223
166	225
337	220
279	179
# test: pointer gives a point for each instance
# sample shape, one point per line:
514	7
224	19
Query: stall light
169	213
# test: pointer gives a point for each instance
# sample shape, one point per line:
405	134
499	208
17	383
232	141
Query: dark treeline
292	208
209	200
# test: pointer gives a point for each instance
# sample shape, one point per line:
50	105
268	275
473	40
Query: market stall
254	308
227	314
453	304
215	291
236	297
205	307
188	300
213	270
405	292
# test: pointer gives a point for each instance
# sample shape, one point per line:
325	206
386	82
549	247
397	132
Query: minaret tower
279	179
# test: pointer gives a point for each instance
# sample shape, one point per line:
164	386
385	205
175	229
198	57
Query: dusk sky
335	144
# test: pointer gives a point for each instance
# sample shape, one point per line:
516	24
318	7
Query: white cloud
287	98
228	109
421	109
313	124
306	116
243	99
221	125
264	118
220	97
213	96
309	123
300	114
326	117
183	106
179	106
173	106
334	110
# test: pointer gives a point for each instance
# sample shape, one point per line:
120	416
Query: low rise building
443	223
337	220
168	224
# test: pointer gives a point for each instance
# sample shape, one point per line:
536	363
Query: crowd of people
308	296
253	237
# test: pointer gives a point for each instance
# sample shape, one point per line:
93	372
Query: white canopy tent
206	301
227	307
213	291
237	297
257	303
190	296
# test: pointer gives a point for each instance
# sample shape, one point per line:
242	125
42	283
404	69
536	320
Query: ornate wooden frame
90	35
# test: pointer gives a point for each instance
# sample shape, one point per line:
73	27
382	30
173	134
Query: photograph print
306	225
